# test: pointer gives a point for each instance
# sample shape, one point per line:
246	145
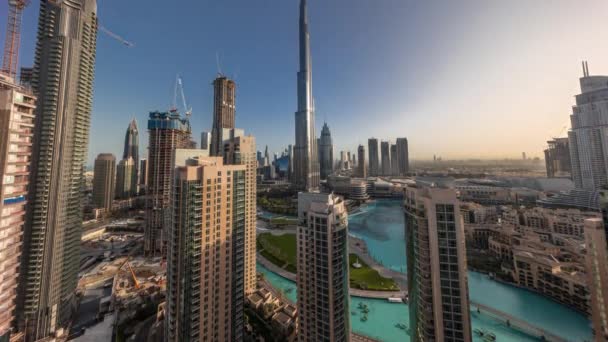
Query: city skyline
526	94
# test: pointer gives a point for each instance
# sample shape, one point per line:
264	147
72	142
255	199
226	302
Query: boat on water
489	337
364	318
395	300
401	326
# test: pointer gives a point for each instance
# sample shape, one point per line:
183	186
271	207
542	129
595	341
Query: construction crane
115	36
179	86
135	282
10	58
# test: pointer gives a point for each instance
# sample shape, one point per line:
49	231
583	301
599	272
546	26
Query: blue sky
468	78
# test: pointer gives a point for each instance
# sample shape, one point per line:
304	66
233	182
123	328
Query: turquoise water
381	225
383	316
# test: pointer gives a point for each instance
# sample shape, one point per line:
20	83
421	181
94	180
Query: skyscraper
239	149
403	157
224	107
63	82
394	163
131	150
436	265
205	293
168	131
322	279
17	106
385	152
306	162
362	171
104	177
124	178
374	165
589	132
326	152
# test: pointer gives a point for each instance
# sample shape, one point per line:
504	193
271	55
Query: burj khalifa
306	162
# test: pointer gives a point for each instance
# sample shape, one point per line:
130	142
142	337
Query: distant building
386	158
374	161
124	179
205	293
131	150
436	265
589	119
322	239
361	167
17	106
26	77
206	141
557	158
224	108
394	164
167	132
326	152
104	180
143	175
403	157
351	188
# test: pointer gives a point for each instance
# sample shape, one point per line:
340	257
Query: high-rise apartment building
224	107
205	277
306	162
326	152
385	152
240	149
131	150
104	180
17	106
394	163
63	82
374	161
322	278
586	139
167	132
361	167
403	157
597	275
436	265
557	158
124	178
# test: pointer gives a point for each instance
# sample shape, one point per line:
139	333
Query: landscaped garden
281	251
367	278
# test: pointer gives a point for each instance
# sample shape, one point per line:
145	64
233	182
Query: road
89	306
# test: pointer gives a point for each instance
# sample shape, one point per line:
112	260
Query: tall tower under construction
224	107
167	132
63	82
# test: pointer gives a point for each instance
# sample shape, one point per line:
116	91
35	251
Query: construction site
118	284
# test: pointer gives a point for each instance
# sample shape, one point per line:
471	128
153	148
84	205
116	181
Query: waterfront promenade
516	323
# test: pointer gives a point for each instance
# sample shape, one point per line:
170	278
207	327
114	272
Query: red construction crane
10	59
